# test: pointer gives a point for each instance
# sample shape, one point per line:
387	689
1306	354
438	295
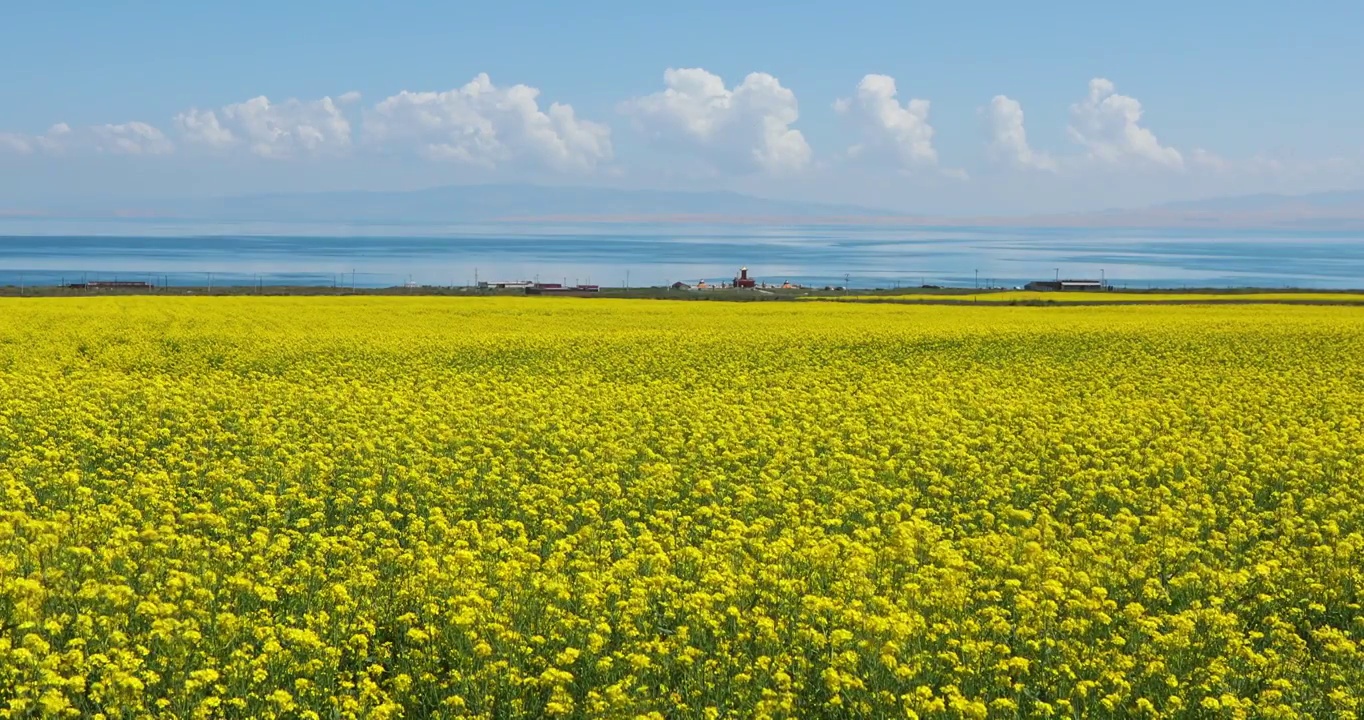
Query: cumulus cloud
131	138
1319	173
15	143
202	126
743	129
1208	160
271	129
1009	139
1108	125
485	125
55	140
889	129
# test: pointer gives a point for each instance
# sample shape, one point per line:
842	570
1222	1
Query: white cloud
202	126
744	129
271	130
1313	173
348	98
131	138
1108	125
1009	139
291	127
1208	160
485	125
889	129
15	143
56	139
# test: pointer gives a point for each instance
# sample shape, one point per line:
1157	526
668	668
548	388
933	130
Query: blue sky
1117	105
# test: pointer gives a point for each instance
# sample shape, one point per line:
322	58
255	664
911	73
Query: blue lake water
35	252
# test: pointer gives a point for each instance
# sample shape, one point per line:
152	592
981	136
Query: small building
112	285
560	289
679	285
743	280
504	284
1065	285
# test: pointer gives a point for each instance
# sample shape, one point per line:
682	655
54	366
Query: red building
744	281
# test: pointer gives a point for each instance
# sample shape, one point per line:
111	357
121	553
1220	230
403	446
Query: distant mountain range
479	203
1348	200
492	203
1343	209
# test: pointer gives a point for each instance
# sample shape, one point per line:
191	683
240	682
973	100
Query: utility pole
977	279
1058	274
627	279
210	283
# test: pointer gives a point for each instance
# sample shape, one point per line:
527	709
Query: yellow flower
521	507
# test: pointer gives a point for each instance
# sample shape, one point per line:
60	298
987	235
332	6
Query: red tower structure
744	281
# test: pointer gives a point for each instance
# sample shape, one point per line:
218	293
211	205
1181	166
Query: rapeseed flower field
507	508
1033	296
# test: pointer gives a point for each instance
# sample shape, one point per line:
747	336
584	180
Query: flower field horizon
1091	298
381	507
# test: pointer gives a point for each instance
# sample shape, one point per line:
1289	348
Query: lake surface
49	252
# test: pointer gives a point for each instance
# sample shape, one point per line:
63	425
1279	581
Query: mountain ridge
548	203
462	203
